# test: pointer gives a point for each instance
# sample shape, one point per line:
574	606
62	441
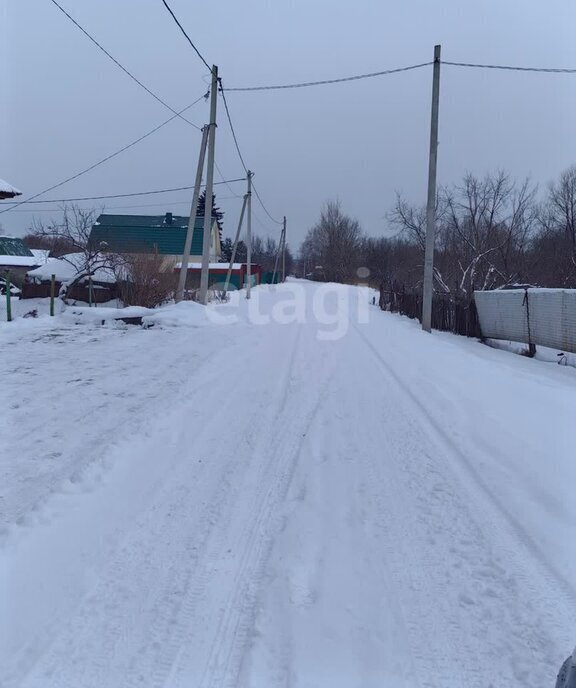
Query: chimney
168	219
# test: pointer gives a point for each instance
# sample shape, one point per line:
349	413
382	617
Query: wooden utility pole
192	219
249	234
428	285
209	189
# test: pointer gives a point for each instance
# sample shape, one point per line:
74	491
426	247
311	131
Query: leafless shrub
144	280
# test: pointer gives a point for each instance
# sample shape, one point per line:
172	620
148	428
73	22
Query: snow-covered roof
8	189
19	261
41	255
67	267
13	252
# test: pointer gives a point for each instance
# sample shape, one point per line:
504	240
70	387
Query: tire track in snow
228	650
183	615
97	599
567	588
525	605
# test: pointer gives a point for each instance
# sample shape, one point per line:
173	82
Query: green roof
164	234
12	246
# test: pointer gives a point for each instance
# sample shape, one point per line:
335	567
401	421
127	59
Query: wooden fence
449	314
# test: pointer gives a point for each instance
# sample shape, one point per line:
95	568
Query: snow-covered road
335	502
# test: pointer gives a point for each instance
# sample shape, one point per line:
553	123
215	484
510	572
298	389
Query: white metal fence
533	316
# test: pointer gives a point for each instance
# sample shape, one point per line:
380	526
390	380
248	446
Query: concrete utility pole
233	254
277	259
192	219
428	286
249	234
284	250
209	189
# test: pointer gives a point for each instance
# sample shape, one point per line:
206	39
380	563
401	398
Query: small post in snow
52	293
8	295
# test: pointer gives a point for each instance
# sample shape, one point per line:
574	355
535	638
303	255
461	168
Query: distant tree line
490	232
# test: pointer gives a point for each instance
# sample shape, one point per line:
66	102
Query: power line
100	162
121	66
305	84
548	70
167	6
126	71
224	182
228	116
126	195
140	205
278	222
232	128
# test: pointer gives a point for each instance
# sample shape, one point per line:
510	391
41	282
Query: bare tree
558	229
73	232
335	244
483	229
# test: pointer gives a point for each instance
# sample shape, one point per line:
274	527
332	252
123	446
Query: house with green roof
16	258
161	234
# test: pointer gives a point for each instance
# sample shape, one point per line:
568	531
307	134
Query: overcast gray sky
65	105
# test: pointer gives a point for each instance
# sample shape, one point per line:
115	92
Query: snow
8	188
41	255
262	505
184	314
67	267
18	261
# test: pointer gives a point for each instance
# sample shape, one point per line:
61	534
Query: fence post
8	296
531	346
52	293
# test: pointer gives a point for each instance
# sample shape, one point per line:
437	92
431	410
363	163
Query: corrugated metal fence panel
548	318
553	318
502	315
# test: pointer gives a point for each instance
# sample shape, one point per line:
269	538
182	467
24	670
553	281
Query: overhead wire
140	205
154	95
547	70
356	77
237	145
124	195
167	6
371	75
236	89
120	65
103	160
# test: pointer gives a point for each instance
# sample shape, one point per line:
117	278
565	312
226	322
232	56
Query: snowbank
183	314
